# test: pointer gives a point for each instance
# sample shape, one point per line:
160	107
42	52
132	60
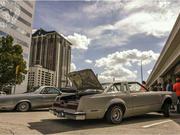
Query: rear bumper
68	115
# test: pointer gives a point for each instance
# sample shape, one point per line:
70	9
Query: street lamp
142	68
141	71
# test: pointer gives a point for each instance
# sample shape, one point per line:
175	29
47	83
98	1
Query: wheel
114	114
23	107
166	109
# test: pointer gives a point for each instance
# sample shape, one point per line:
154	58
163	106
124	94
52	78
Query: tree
12	64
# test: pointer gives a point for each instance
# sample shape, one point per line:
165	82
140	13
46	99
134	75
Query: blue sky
111	37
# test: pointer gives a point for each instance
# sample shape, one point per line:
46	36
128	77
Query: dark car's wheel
166	109
23	107
114	114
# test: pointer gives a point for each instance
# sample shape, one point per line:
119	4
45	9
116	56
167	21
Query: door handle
134	95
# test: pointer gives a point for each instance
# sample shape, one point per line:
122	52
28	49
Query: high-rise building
16	19
50	59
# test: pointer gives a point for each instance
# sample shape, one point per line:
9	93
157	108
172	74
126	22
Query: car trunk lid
84	79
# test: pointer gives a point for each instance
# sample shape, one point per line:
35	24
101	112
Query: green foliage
10	57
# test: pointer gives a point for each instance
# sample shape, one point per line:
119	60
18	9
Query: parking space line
154	124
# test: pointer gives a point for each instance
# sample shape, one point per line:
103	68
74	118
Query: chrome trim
63	114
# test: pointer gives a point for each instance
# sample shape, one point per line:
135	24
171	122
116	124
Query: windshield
105	85
38	90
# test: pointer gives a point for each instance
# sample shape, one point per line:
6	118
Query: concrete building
39	76
50	57
168	63
16	19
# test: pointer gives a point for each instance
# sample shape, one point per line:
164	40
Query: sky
111	37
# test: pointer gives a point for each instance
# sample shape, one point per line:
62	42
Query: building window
19	18
28	3
26	12
18	29
24	21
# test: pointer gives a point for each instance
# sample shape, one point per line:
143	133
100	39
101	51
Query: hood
84	79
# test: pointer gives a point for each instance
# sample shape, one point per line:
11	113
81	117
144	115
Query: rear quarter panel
95	106
171	95
166	94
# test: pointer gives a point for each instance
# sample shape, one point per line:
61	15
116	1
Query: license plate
60	114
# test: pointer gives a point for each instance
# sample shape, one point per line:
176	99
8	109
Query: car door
143	101
49	95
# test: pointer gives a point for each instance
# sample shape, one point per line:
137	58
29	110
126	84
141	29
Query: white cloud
161	5
99	29
116	65
154	18
149	71
127	58
124	18
73	67
33	31
155	24
102	8
117	73
88	61
79	41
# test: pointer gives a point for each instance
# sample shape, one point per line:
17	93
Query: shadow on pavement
40	110
34	110
64	125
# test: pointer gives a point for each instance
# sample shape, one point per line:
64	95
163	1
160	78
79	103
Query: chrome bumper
63	114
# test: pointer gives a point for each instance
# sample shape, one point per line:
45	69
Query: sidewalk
6	132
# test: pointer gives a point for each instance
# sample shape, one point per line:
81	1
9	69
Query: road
42	122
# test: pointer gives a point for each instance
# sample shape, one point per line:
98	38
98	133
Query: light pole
142	68
141	71
113	79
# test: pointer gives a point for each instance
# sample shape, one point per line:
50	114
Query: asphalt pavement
42	122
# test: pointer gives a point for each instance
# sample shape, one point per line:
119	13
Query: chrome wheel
114	114
23	106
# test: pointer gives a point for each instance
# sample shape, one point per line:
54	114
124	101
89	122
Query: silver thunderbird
114	101
43	97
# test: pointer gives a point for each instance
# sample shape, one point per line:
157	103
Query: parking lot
42	122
